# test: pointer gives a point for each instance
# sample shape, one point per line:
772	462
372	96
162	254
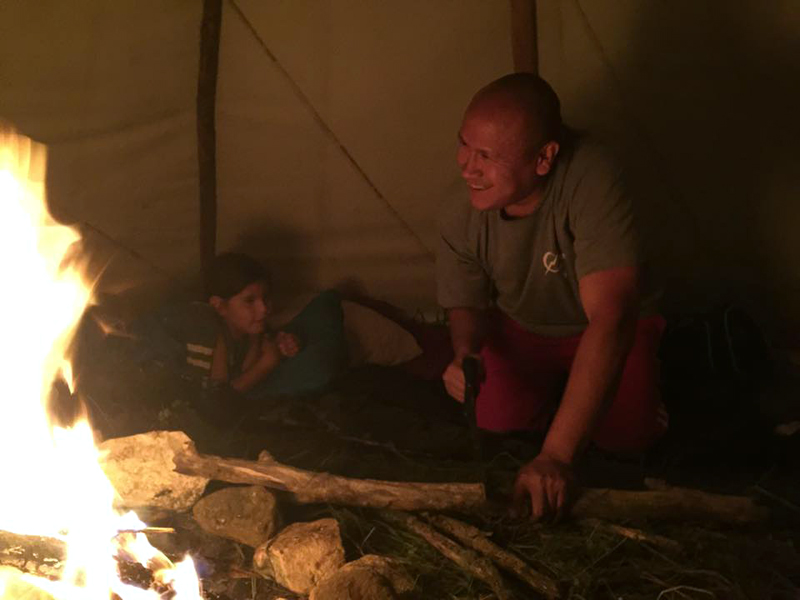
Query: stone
389	568
369	577
301	555
140	468
354	584
244	514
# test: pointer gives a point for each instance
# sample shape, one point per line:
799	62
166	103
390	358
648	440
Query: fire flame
54	485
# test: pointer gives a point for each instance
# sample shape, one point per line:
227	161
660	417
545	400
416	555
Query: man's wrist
558	452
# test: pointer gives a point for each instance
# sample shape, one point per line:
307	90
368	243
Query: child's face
244	313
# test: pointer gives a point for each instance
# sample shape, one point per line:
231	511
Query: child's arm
267	360
261	359
259	362
253	352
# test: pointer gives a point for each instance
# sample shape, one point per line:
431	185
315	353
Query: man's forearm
592	384
467	330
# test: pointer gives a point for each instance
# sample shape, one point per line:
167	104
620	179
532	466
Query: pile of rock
306	558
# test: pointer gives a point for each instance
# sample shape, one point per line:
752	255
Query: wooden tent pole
523	36
210	28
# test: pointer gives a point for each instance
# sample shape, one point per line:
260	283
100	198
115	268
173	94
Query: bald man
544	282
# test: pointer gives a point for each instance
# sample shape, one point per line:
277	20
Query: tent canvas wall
336	126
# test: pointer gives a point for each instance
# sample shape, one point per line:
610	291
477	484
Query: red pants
526	375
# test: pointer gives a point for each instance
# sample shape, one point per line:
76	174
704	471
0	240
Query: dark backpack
722	344
715	367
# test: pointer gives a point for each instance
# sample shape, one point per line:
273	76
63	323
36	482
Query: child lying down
229	348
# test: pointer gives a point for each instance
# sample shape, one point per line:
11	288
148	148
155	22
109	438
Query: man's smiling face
495	157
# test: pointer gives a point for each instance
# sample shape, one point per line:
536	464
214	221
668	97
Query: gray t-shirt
530	266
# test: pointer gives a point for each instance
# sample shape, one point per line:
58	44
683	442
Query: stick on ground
612	505
474	538
309	487
673	503
46	557
632	534
471	562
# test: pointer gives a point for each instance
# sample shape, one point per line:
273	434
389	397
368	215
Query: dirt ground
381	423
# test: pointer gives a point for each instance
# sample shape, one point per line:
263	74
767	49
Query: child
244	354
229	348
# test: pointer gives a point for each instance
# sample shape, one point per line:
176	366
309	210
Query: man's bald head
526	102
508	143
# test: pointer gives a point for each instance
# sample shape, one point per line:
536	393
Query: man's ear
546	158
218	303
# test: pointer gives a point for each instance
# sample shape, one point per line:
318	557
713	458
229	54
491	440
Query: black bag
725	343
715	366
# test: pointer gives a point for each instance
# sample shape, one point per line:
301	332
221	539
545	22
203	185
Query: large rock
354	584
386	567
301	555
140	468
244	514
370	577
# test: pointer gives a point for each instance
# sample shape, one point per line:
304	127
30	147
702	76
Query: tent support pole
210	28
523	36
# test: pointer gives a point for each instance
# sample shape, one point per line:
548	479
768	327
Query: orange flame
59	488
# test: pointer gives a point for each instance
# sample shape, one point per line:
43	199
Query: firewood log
612	505
672	504
46	557
310	487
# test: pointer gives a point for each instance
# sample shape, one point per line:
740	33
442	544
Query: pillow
374	339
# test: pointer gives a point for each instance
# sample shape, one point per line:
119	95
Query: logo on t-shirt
552	262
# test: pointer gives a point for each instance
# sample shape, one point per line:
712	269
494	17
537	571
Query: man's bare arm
466	330
611	302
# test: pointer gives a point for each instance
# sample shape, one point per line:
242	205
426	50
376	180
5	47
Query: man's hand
453	377
288	344
549	485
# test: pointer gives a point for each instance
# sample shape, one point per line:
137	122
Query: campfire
60	492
